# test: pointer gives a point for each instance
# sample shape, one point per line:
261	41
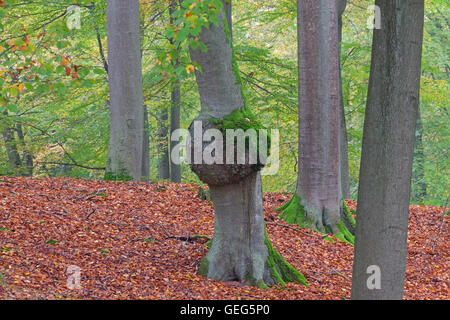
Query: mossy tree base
293	212
240	249
276	269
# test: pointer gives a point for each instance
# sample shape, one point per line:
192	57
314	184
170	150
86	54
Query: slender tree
175	116
125	87
387	152
163	144
343	142
318	201
10	145
145	173
27	156
418	176
240	248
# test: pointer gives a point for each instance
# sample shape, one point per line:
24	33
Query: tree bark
11	146
318	201
163	144
125	87
145	174
175	169
27	156
343	141
387	152
418	175
240	247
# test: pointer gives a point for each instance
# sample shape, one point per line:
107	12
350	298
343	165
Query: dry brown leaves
127	239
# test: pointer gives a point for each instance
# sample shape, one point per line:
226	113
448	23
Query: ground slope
138	241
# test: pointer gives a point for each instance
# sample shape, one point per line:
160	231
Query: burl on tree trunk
240	249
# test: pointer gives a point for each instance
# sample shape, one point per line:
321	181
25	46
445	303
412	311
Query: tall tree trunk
418	175
27	156
175	169
11	146
125	87
387	152
175	97
240	248
318	201
343	142
145	174
163	144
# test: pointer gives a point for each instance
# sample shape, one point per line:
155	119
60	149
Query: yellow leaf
21	87
64	61
190	68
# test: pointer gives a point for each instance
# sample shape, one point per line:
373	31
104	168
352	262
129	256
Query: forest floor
136	241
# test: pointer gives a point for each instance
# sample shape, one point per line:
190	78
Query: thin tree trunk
175	169
145	174
125	86
418	176
163	144
27	155
387	152
343	142
240	247
11	146
175	96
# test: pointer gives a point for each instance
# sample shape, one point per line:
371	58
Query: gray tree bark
175	169
240	247
418	175
125	87
175	117
343	141
318	201
163	144
387	152
27	156
11	146
145	174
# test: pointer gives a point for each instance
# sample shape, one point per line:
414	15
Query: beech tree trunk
11	146
343	141
145	173
125	87
387	152
318	201
418	175
240	249
27	156
163	144
175	169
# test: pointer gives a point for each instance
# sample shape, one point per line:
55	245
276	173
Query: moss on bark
120	175
279	269
293	212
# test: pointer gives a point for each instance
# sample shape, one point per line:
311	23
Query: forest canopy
44	60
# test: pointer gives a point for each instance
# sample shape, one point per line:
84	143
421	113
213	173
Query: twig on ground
290	227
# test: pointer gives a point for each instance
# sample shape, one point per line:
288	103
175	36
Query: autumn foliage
143	241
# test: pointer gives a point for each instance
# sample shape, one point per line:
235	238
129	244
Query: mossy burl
245	120
294	213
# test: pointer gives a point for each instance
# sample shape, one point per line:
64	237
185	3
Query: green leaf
11	107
